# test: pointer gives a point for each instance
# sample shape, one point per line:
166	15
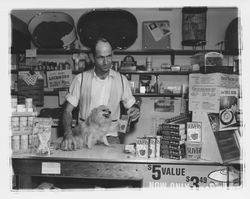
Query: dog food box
193	151
142	147
194	132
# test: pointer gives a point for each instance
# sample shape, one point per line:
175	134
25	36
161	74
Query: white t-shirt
100	91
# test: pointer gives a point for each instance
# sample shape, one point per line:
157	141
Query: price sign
194	176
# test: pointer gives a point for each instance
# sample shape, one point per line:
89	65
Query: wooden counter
109	163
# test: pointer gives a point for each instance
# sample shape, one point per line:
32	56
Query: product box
142	144
194	130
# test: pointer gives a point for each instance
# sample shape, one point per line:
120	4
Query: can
28	102
23	123
24	143
15	142
30	122
14	103
15	123
21	108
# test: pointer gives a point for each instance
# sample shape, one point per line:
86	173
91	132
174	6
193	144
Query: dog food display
148	146
172	141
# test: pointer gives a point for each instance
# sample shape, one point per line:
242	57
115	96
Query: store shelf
171	52
51	51
156	95
156	72
46	93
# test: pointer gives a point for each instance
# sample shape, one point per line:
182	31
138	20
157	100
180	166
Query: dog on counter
95	128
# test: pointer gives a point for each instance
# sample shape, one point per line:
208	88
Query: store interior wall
217	21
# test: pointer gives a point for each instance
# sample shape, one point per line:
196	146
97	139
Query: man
99	86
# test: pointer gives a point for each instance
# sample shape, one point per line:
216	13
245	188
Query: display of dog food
173	137
148	146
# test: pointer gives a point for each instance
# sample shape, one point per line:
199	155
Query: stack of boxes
22	125
173	137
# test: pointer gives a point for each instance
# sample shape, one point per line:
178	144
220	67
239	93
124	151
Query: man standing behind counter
98	86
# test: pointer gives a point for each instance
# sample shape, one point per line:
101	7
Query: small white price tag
30	52
51	168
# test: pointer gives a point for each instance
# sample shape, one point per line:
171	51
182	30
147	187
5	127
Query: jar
149	63
15	142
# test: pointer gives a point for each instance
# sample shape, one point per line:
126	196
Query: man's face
103	57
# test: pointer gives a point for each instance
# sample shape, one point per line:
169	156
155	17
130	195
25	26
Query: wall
217	22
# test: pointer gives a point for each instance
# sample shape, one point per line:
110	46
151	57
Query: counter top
113	153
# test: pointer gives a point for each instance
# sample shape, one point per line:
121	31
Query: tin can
15	123
14	103
28	102
30	122
15	142
23	123
24	143
21	108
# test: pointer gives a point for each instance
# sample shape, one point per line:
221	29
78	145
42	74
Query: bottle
149	63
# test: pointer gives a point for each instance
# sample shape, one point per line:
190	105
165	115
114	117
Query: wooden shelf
46	93
127	52
51	51
156	72
172	52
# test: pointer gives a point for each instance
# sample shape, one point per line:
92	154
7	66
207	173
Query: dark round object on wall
116	25
52	30
231	36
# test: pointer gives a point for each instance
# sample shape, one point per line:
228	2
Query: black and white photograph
81	118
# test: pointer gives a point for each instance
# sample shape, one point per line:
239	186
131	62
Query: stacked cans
148	146
173	141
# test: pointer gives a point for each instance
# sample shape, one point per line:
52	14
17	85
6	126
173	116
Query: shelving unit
173	52
170	52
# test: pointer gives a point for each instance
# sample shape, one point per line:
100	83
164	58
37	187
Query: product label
51	168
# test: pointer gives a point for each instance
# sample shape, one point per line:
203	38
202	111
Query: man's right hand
68	142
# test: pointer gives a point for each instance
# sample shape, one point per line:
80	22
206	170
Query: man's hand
134	113
69	142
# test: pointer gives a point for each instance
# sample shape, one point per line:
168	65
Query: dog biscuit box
142	145
194	132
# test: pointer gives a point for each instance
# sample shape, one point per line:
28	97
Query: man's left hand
134	113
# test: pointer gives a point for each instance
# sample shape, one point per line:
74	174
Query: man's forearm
67	122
